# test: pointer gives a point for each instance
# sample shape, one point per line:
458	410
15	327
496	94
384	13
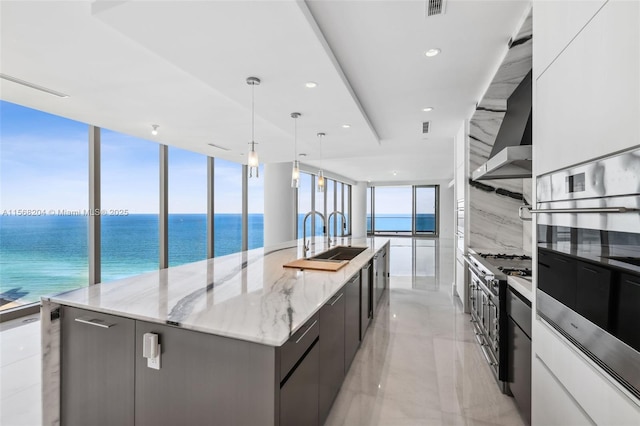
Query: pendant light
252	160
320	187
295	172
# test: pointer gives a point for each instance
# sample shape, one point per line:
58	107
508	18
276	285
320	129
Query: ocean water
425	222
42	255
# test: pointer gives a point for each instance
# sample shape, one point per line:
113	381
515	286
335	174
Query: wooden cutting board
317	265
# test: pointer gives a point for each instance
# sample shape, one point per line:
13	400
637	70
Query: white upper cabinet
555	24
587	102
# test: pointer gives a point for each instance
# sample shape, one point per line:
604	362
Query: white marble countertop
247	295
522	286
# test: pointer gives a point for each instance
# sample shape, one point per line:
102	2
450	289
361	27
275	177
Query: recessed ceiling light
427	109
311	84
431	52
346	126
302	154
395	173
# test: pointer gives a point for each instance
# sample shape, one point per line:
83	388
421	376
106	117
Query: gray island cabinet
273	351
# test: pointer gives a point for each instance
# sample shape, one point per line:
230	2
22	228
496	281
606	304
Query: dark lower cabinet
557	276
97	369
351	321
332	350
594	292
203	380
366	311
628	315
519	352
299	394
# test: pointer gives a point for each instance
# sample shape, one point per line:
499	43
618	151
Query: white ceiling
182	65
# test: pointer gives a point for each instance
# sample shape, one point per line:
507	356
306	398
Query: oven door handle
579	210
483	348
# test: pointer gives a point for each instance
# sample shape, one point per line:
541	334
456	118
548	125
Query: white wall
586	63
279	204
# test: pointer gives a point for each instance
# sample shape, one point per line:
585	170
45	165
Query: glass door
425	207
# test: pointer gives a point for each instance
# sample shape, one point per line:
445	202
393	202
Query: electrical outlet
155	361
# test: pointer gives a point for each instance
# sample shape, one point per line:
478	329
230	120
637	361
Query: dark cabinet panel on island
299	394
332	351
97	368
203	379
366	305
352	321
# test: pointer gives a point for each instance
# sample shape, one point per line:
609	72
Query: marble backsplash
493	218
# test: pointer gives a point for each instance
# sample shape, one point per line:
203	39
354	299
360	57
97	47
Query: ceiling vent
435	7
219	147
425	127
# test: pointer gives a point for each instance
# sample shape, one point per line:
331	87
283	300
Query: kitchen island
239	339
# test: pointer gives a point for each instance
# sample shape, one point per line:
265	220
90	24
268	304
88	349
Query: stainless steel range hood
512	152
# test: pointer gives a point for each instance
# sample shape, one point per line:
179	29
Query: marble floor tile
22	408
20	372
419	363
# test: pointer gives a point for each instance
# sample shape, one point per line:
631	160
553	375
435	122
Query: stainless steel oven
485	289
588	223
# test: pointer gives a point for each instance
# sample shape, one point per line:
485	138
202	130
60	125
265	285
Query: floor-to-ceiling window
305	197
319	206
255	207
346	207
426	203
393	209
43	204
332	228
369	210
187	206
228	207
336	197
402	210
129	198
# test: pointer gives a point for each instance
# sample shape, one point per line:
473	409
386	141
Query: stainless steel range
487	300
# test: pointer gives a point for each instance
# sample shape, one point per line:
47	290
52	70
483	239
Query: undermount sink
339	253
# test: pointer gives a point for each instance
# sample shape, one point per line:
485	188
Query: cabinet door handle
593	271
586	210
305	333
94	321
334	302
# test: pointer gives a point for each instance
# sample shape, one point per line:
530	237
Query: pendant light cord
253	88
321	159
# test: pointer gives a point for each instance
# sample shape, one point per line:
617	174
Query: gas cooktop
504	256
506	264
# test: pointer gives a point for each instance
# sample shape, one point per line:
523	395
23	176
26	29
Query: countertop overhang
247	295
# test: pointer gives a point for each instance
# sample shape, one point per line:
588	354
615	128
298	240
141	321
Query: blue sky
43	165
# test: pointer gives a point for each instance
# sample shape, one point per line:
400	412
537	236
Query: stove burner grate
504	256
517	272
